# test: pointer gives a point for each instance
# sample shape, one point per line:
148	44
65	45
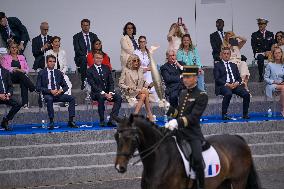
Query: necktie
45	40
88	43
222	34
229	72
52	80
100	71
2	86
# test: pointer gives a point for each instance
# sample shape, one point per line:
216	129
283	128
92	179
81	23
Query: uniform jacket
260	44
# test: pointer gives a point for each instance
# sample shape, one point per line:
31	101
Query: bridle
145	153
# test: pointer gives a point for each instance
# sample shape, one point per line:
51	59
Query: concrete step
59	175
267	148
258	130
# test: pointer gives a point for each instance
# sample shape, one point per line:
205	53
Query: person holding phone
177	30
235	43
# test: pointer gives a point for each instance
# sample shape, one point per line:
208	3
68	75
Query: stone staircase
50	159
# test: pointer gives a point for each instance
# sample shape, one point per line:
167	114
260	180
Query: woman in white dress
61	62
177	30
143	53
235	43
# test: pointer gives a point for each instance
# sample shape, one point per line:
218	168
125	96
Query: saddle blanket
211	160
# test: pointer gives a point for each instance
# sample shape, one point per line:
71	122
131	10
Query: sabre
157	79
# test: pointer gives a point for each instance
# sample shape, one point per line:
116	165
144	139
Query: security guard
192	103
261	42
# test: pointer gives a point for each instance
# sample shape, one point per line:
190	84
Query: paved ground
270	179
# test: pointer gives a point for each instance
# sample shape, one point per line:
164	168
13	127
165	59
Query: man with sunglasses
40	45
261	42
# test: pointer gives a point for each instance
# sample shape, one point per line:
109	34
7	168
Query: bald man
40	45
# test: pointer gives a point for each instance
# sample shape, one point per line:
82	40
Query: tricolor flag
213	169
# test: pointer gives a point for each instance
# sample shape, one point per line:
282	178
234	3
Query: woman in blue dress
188	54
274	73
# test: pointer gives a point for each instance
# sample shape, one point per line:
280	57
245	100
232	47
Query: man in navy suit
6	92
100	79
82	42
51	83
171	72
40	45
12	29
228	82
261	42
216	40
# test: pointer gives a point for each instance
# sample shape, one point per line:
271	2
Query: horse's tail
253	181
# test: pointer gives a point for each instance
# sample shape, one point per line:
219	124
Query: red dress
91	61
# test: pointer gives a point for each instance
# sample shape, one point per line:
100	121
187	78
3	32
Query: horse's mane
140	120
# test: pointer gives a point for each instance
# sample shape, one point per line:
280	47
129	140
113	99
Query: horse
163	167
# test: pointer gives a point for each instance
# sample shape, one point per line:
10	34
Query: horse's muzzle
120	169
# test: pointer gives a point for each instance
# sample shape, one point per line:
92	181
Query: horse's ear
117	119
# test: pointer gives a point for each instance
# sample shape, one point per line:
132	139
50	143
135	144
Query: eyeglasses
135	60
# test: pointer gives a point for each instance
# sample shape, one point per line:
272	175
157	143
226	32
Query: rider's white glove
171	125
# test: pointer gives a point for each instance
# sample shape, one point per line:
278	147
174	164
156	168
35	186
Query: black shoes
110	124
102	124
51	126
72	124
226	117
4	124
246	116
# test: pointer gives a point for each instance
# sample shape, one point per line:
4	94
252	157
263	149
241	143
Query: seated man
171	72
49	81
228	82
261	42
6	91
102	88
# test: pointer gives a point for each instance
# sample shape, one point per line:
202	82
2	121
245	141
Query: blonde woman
274	73
235	43
134	86
175	34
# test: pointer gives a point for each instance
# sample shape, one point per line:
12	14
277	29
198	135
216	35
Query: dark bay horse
163	166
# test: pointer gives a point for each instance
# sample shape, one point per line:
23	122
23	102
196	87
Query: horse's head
127	139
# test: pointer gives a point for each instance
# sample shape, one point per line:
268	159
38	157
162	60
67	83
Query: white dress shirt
229	72
49	78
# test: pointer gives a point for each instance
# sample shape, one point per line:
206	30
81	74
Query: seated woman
18	67
274	74
235	43
61	62
97	46
188	54
134	86
144	57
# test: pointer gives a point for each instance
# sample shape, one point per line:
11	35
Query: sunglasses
135	60
261	24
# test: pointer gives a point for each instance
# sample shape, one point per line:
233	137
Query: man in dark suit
261	42
6	91
82	42
49	81
228	82
216	40
12	29
40	45
171	72
100	79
